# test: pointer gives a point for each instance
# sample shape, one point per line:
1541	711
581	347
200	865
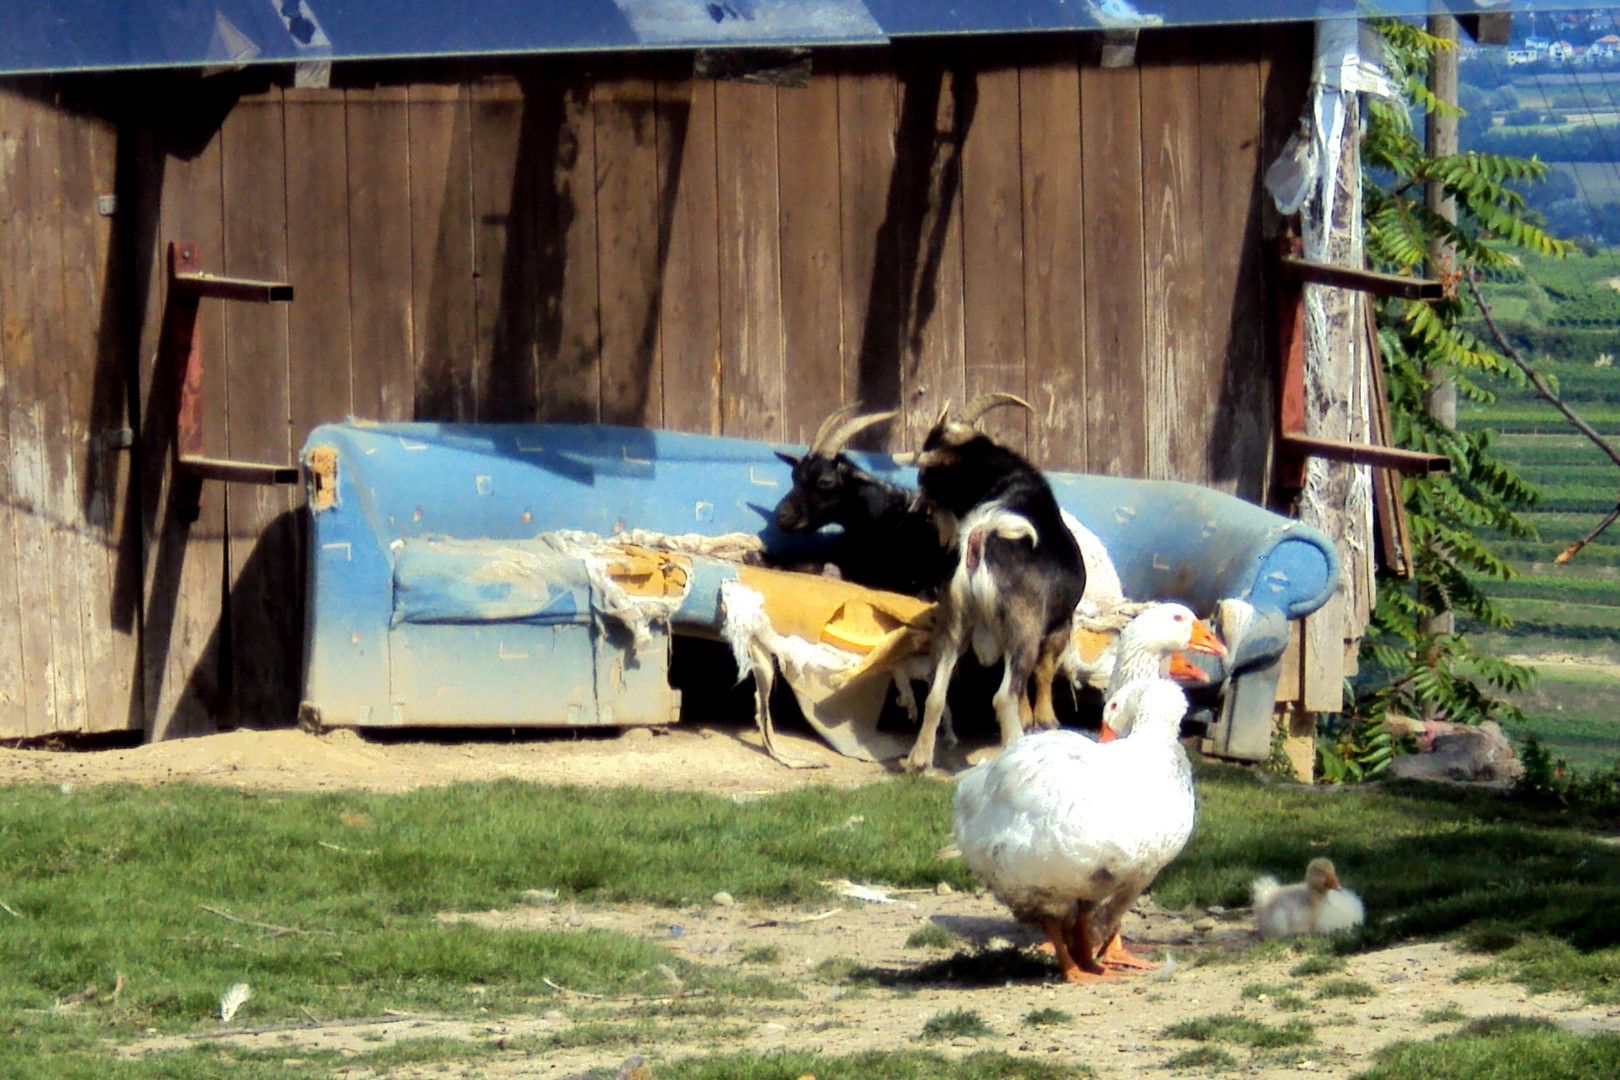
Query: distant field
1596	180
1574	609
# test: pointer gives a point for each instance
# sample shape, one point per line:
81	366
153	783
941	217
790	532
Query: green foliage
1350	748
1406	667
1550	780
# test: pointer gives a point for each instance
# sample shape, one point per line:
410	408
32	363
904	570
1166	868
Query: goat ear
789	458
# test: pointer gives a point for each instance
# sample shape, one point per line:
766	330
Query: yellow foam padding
840	613
1091	643
642	571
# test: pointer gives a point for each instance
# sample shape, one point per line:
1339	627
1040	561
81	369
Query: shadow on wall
923	192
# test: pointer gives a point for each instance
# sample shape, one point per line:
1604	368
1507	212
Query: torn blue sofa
400	512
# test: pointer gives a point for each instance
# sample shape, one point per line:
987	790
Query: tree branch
1546	393
1535	378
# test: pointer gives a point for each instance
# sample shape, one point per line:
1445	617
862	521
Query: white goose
1067	832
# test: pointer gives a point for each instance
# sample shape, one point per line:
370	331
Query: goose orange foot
1115	954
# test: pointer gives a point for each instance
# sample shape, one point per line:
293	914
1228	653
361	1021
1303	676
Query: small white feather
232	999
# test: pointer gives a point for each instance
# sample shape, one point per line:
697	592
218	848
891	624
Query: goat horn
818	445
994	400
853	427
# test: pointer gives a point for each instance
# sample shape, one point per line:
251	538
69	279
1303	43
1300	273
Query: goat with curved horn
887	540
830	440
996	399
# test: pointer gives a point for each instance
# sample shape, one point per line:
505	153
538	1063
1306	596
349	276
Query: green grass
905	1065
1047	1017
1502	1049
958	1023
110	880
1448	1013
1282	997
1601	591
1202	1057
1323	964
1345	988
932	936
1542	614
1241	1031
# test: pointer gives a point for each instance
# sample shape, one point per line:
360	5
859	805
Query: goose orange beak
1184	669
1106	734
1332	880
1204	640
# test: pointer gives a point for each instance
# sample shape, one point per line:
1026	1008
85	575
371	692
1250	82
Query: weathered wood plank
53	647
505	379
625	113
1176	349
1054	251
443	310
1111	163
936	112
559	149
812	356
183	681
319	320
689	308
95	393
18	648
872	207
264	646
382	375
1238	441
993	244
752	373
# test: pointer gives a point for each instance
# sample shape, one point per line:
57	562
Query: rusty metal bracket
1293	444
188	286
1297	269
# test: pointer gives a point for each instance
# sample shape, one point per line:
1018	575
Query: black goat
1014	579
889	540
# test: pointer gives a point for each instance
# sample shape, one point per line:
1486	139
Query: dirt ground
1116	1028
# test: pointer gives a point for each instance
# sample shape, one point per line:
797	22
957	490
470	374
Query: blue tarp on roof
75	35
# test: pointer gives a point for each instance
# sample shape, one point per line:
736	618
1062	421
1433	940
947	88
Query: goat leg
764	683
1011	701
921	757
1046	667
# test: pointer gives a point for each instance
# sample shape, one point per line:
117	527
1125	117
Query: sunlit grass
1501	1049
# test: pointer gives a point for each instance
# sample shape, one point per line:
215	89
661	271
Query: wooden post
1440	140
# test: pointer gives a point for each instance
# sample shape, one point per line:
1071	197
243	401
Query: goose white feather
1067	832
1317	905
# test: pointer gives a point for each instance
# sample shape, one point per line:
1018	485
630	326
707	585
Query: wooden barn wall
599	239
68	595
